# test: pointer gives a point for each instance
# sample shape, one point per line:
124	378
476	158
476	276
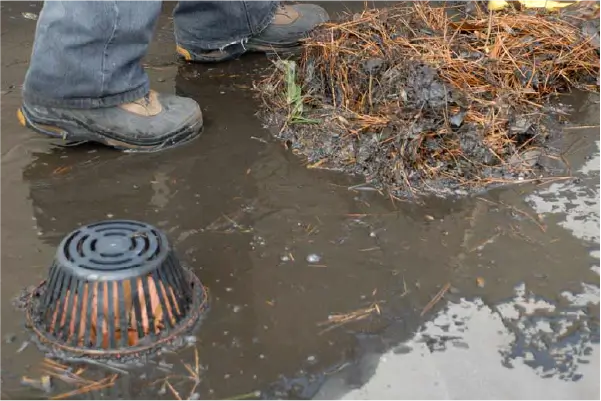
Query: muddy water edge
245	214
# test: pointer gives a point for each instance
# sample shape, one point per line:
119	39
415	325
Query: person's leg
212	31
85	81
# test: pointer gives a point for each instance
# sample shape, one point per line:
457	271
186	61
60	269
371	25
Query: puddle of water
474	347
458	355
263	332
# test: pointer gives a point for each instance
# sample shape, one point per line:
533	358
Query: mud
245	214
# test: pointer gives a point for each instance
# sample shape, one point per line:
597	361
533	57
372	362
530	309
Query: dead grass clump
420	102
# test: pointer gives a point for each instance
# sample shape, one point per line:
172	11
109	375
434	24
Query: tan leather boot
154	122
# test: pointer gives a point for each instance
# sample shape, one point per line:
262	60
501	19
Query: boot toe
309	17
180	121
180	113
312	14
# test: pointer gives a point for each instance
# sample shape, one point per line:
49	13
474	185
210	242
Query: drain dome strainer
115	288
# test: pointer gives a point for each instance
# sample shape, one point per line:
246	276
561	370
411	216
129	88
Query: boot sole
79	133
222	56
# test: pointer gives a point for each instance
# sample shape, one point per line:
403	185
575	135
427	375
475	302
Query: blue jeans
87	54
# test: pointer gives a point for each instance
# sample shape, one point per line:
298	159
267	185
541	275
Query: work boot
291	23
152	123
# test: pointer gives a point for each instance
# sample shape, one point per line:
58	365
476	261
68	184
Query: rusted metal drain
115	288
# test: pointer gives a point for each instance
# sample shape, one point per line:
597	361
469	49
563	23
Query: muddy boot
152	123
282	36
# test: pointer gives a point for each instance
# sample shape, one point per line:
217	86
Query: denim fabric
211	25
87	54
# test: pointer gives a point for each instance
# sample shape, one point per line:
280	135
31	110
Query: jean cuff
261	26
87	103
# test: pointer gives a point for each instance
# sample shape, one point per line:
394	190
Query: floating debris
72	376
44	383
10	338
23	346
421	102
337	320
193	376
31	16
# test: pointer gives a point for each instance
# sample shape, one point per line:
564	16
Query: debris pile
419	101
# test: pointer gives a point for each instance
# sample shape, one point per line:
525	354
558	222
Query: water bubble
313	258
285	258
190	339
236	308
311	358
258	241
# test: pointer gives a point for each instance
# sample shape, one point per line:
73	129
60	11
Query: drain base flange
199	304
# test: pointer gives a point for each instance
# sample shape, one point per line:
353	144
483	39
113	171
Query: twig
104	383
338	320
436	298
108	366
175	393
581	127
405	290
246	396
